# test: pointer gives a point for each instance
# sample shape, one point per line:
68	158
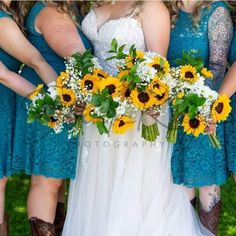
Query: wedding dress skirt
124	187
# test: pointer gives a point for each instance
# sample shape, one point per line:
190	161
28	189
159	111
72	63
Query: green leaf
114	45
182	107
96	100
102	129
105	105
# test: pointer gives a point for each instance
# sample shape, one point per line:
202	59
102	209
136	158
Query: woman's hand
211	127
153	113
79	108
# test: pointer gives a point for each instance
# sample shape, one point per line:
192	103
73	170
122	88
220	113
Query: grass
18	187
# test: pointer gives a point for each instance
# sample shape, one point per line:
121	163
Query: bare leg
3	183
209	197
61	193
234	176
42	198
191	193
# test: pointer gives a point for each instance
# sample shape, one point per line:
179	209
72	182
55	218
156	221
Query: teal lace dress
37	148
194	162
230	124
7	117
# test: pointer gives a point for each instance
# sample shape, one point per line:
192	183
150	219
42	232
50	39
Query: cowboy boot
41	228
4	227
194	203
59	218
211	219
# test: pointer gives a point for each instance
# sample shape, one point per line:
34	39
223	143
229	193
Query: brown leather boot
41	228
194	202
59	218
211	219
4	228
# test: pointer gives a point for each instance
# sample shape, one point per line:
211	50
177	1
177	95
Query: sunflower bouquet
143	77
58	106
195	105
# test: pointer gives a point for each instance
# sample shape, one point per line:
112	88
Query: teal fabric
7	117
194	162
44	152
230	124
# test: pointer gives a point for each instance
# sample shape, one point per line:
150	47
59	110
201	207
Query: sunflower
161	65
53	122
160	99
195	126
100	73
189	73
36	92
87	113
122	124
221	108
157	86
207	73
67	96
142	100
122	74
89	83
62	79
113	85
130	60
125	91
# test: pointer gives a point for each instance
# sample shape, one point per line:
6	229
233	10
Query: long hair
174	7
232	5
17	10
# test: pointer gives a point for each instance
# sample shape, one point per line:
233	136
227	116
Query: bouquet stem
172	131
214	141
150	130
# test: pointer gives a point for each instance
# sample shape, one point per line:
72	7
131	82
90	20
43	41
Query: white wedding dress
124	185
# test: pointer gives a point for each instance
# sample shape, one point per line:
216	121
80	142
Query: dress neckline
130	17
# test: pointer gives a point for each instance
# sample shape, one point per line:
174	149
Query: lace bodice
126	30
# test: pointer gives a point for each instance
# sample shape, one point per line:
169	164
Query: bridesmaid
14	48
229	87
52	27
204	26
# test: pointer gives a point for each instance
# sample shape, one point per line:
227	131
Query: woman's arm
60	32
156	26
13	41
15	82
229	85
220	32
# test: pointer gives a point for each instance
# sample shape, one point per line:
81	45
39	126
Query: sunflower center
160	97
189	75
194	123
53	119
156	66
121	123
88	84
111	88
143	97
100	75
66	97
219	108
127	93
156	86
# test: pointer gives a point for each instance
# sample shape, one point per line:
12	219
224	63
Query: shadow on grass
18	187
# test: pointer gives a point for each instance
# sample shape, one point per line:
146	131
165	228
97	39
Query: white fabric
124	185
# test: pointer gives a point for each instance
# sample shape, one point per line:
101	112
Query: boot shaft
41	228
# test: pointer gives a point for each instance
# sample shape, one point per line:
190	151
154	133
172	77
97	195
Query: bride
124	185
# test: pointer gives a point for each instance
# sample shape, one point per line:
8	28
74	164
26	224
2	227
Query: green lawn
16	205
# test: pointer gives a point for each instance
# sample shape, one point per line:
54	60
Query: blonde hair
17	10
174	7
71	8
